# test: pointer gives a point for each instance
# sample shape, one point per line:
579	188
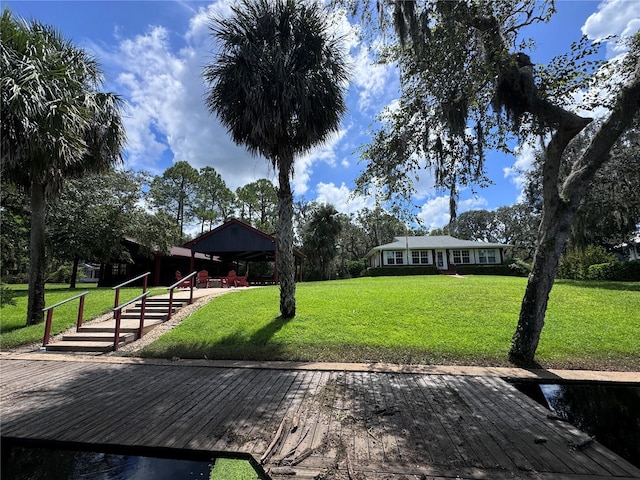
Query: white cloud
167	117
341	198
372	80
304	164
435	212
516	174
614	17
166	113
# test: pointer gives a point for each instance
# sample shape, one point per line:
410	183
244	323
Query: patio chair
185	284
234	280
202	281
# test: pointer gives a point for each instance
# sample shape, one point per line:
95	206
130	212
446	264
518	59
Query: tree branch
623	115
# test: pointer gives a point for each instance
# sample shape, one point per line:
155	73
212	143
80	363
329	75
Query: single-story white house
443	252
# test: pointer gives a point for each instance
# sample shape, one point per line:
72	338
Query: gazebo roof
238	241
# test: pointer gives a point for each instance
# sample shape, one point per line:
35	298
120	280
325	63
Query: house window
119	269
419	257
461	256
395	258
486	256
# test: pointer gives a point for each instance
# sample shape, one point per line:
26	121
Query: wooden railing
117	312
49	311
191	278
117	288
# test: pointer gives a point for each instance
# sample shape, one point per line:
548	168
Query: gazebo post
275	266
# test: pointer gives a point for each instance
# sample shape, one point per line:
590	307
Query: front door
441	260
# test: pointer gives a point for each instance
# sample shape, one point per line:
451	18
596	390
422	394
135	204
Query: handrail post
191	293
116	340
144	284
117	301
49	322
47	328
170	304
142	309
80	313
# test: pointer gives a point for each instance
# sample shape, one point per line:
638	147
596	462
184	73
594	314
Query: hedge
400	271
505	270
617	271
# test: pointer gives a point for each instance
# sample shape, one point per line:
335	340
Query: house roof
238	241
431	242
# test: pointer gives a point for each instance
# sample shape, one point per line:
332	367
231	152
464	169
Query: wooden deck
337	424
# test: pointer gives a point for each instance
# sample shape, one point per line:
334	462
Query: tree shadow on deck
426	424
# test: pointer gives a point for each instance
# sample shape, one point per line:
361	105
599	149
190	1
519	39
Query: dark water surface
33	461
609	413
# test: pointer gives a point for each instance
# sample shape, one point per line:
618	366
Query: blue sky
153	52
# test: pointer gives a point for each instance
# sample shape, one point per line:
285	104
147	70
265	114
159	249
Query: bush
6	296
355	267
504	270
574	263
401	271
61	275
616	271
520	267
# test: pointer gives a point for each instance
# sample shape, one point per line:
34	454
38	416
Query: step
81	347
129	315
165	301
153	308
98	337
126	326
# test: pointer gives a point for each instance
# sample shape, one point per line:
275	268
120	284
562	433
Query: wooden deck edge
507	373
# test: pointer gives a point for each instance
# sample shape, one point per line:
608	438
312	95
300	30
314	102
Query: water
41	462
610	413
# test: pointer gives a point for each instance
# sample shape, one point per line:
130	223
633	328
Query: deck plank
389	425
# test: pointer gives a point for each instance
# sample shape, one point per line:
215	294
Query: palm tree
278	86
55	125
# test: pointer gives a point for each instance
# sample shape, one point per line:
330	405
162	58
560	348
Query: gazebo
235	241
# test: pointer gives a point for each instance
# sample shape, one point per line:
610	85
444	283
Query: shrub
401	271
6	296
505	270
520	267
574	263
355	267
616	271
61	275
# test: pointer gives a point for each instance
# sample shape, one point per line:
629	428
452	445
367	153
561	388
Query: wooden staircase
99	337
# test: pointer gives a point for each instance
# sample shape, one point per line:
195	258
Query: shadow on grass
259	346
619	286
234	346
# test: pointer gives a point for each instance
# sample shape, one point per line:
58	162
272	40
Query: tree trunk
74	273
553	234
36	255
286	260
560	210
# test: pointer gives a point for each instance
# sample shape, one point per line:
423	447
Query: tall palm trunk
36	255
286	260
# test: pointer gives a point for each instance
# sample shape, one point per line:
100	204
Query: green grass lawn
417	319
13	318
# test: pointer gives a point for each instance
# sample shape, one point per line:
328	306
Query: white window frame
487	256
422	257
395	257
461	257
